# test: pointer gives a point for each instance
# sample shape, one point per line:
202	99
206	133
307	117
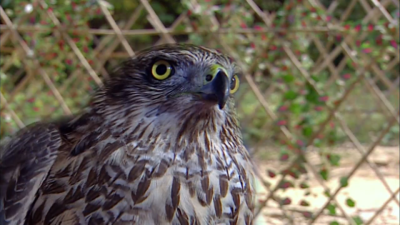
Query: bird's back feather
25	161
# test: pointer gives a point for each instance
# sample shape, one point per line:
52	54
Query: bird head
178	93
173	78
184	91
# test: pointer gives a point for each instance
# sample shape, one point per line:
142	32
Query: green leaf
180	27
312	95
295	108
317	143
304	185
332	209
306	120
344	181
365	45
304	203
334	159
288	78
290	95
357	220
324	173
327	193
350	202
315	78
332	136
334	223
307	131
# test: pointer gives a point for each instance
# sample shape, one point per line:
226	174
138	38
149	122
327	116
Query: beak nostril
209	77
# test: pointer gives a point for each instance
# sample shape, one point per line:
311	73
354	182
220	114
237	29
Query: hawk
159	143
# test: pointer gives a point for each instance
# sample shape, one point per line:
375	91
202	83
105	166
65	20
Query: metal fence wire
319	100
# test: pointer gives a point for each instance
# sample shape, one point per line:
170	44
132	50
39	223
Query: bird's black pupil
233	83
161	69
209	77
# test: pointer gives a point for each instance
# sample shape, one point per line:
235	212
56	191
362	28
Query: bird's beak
217	89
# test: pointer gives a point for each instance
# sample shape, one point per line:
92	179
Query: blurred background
319	103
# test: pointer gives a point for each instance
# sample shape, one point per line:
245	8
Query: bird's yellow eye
161	70
234	84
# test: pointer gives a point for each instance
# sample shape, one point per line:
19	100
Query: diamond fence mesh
319	102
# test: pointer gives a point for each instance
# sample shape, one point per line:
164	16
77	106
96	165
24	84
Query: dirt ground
365	188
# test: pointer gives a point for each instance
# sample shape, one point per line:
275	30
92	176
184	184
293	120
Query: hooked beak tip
221	105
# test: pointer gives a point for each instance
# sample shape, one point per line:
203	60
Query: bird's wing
25	161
